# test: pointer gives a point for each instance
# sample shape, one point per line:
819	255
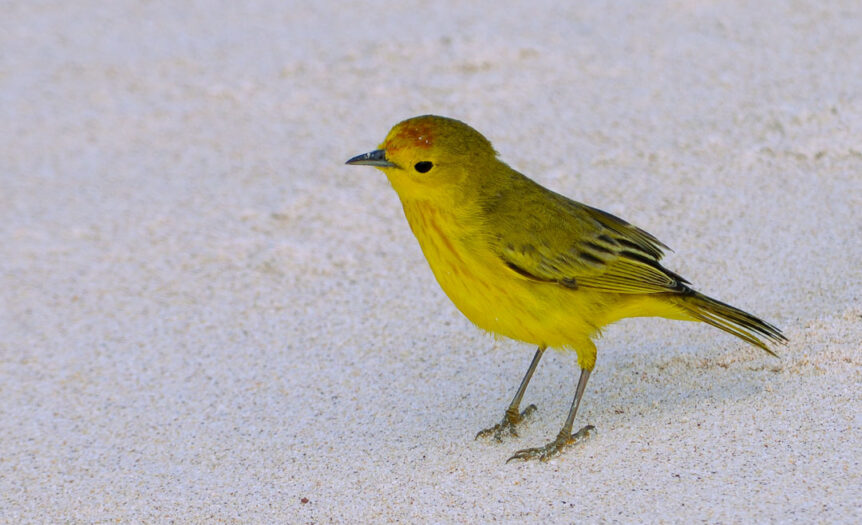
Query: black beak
372	158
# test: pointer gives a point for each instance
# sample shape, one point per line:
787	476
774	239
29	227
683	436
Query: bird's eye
423	167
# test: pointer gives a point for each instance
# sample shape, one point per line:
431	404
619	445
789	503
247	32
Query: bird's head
430	156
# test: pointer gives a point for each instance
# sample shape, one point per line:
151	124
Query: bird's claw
555	447
511	420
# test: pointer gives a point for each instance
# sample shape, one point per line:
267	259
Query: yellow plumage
524	262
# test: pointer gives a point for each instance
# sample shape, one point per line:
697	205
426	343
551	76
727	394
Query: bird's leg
565	438
513	416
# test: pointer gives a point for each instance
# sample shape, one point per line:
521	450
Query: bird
522	261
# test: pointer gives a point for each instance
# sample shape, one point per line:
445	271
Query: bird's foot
507	427
556	446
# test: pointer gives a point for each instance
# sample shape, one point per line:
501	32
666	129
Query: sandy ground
206	317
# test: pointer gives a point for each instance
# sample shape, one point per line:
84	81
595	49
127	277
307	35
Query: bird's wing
576	246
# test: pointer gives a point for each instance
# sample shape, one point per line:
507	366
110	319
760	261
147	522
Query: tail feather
732	320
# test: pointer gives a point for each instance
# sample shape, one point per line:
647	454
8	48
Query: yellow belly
490	294
501	301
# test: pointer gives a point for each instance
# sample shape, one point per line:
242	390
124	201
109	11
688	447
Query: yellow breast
486	291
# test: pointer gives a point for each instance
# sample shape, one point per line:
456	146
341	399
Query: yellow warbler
522	261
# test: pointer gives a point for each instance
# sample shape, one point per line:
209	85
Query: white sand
206	317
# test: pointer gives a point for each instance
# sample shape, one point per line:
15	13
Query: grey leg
565	438
513	416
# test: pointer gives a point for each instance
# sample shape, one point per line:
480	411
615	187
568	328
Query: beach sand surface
205	316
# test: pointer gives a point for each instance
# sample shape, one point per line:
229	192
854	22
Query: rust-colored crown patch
415	133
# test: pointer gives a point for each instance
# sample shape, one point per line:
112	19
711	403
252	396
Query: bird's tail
732	320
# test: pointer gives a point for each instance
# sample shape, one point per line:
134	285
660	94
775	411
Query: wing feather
577	246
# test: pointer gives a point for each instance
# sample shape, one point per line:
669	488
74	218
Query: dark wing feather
562	241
